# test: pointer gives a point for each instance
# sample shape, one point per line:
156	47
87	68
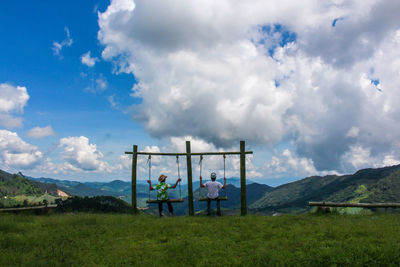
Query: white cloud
101	83
58	46
217	71
353	132
390	160
38	132
10	121
288	164
82	156
13	99
113	103
87	60
98	85
15	153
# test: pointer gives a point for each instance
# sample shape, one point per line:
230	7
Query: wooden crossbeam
186	154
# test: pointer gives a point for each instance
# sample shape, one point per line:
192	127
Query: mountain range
367	185
364	186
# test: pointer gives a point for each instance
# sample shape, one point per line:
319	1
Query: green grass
35	199
126	240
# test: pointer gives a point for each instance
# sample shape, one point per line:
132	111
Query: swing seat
164	201
219	198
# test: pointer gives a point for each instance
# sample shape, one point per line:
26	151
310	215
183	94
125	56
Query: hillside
15	184
368	185
5	175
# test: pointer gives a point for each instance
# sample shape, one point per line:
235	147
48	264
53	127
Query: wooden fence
355	205
30	208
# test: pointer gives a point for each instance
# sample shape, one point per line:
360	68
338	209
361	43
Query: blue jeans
218	205
170	208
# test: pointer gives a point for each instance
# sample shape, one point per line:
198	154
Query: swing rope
179	176
149	163
224	175
168	200
201	165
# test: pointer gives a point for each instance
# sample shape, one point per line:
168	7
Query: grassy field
125	240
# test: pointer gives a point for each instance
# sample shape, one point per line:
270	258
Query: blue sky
60	86
295	83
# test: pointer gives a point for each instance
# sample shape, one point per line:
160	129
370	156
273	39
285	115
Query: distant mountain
65	183
368	185
118	188
4	176
18	184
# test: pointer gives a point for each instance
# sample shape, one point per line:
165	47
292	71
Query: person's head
213	176
162	178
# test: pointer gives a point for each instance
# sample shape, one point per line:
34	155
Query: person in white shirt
213	187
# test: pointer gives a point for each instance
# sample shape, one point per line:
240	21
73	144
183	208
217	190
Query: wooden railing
355	205
30	208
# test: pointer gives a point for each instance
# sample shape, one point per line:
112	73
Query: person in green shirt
162	193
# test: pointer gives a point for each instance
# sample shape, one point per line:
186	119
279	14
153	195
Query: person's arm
177	181
224	186
201	182
150	187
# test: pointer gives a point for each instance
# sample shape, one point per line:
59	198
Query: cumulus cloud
322	75
87	60
10	121
81	155
58	46
38	132
289	164
13	99
17	154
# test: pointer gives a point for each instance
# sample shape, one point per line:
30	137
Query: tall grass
126	240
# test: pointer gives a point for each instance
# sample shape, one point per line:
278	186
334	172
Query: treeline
103	204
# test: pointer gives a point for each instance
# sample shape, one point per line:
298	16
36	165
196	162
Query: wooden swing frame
189	155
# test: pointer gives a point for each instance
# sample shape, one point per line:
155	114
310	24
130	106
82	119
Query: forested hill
367	185
14	184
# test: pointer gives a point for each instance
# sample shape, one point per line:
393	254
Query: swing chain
179	176
224	164
224	175
201	165
149	162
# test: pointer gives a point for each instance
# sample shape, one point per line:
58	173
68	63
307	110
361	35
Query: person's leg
208	206
218	207
160	209
170	208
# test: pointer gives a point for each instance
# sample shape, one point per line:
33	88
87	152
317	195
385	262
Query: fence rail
29	208
355	205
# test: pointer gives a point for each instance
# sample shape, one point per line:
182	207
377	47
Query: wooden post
134	165
243	178
189	176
